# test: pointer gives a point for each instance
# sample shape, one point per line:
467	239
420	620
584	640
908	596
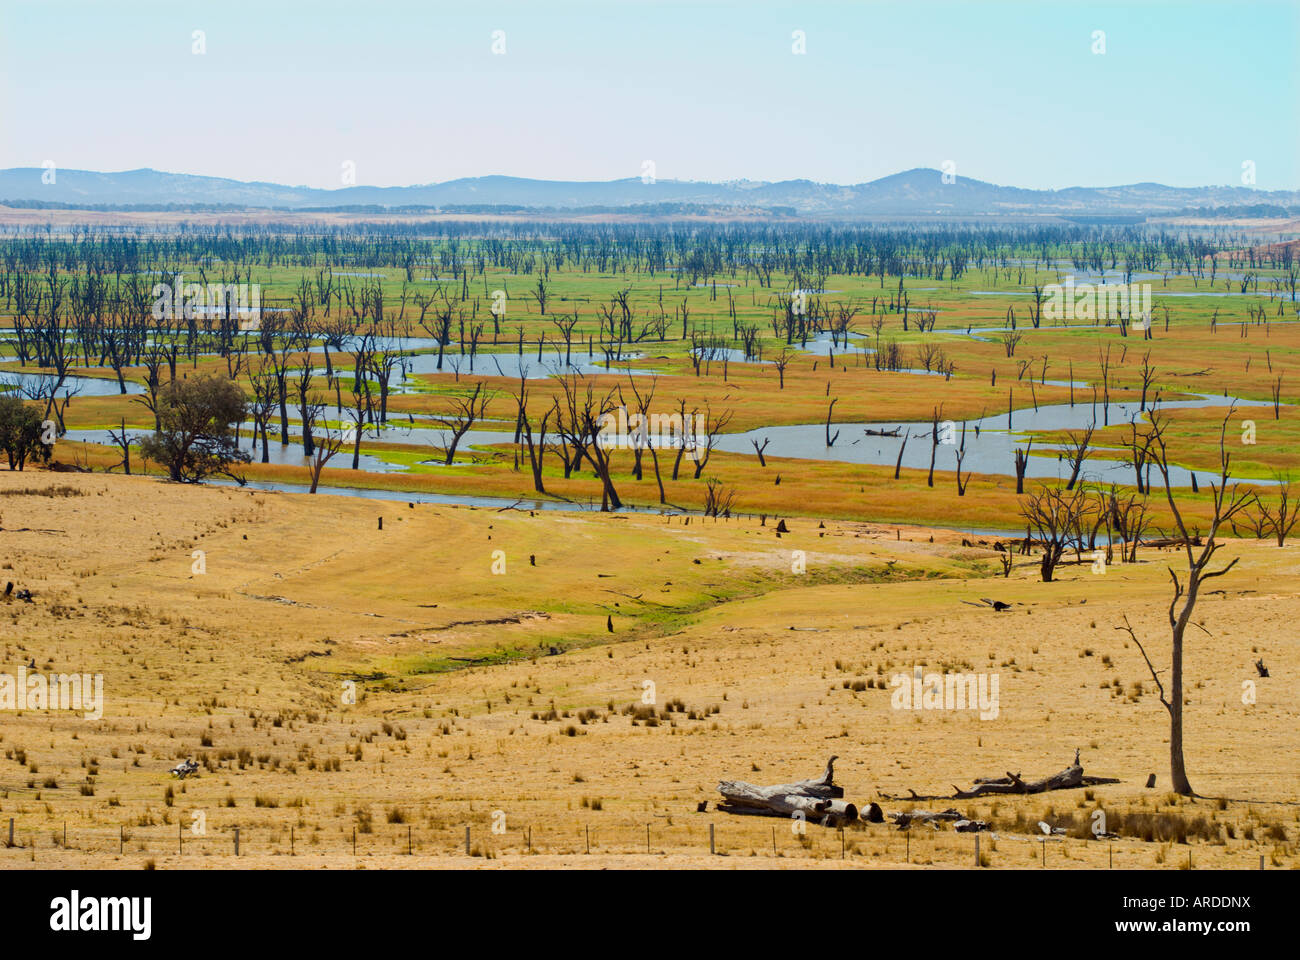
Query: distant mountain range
914	193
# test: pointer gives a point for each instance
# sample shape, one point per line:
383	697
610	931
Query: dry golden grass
244	668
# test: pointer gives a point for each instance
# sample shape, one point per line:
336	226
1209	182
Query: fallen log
1173	542
1069	778
820	800
908	817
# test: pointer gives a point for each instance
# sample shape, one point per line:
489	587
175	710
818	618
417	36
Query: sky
1015	93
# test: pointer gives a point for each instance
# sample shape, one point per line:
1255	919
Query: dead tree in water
536	445
643	401
713	427
580	419
961	455
1076	452
1022	463
898	464
934	446
122	440
327	446
1139	454
466	410
830	441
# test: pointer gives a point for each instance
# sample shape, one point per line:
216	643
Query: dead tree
580	421
1076	452
1013	783
122	440
262	406
1022	463
1138	455
1057	516
898	464
465	411
1148	375
934	446
1228	501
327	445
1281	519
718	499
713	427
643	401
1128	518
536	445
820	800
781	362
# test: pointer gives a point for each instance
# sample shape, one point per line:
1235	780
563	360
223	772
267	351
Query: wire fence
769	838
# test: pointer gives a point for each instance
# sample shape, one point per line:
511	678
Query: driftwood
883	433
907	818
819	800
1173	542
1068	779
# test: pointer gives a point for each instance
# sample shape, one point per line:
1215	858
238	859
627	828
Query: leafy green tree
197	419
21	434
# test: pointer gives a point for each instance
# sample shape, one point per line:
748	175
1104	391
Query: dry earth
501	698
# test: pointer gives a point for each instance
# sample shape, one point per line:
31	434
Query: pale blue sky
412	92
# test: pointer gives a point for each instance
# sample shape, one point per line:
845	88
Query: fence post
530	839
588	839
842	843
180	838
647	839
467	840
11	837
354	841
121	837
977	849
409	849
291	841
236	841
712	847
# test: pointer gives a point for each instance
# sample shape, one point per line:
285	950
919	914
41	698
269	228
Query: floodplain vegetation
361	681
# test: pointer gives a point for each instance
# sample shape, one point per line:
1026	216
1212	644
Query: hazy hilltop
912	193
